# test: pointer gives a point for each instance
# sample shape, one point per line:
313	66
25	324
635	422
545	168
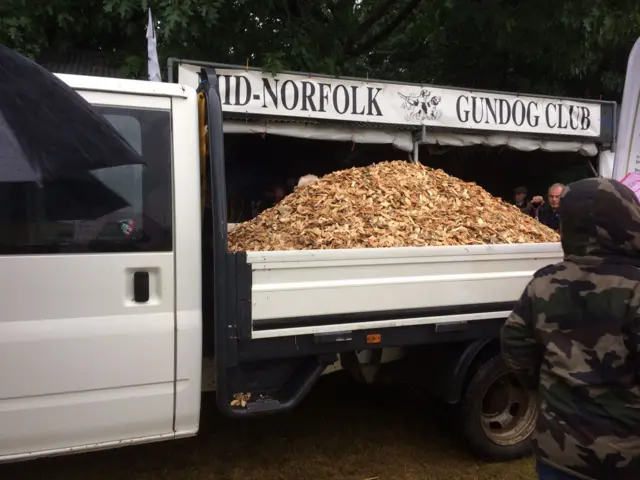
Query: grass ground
343	431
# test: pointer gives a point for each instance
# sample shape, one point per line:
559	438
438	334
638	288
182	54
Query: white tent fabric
402	139
517	143
398	138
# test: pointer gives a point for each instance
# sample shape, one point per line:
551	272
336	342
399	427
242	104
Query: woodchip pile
391	204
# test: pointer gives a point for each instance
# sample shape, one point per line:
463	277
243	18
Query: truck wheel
498	413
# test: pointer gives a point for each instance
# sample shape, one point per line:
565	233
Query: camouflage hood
600	221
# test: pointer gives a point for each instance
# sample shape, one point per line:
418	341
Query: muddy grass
343	431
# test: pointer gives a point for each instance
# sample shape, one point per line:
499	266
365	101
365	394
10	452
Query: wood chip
240	399
390	204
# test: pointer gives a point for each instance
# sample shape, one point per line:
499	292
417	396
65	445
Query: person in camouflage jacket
575	332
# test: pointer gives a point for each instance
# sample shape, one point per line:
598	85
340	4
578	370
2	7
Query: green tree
117	27
563	47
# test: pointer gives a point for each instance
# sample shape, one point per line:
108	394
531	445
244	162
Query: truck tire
498	412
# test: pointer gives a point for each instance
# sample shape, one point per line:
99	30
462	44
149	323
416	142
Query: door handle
141	287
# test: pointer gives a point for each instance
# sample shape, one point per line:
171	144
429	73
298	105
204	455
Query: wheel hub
509	411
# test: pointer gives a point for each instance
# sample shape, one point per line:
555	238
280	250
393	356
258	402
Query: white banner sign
301	96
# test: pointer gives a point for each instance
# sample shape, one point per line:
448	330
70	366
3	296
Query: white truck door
87	331
627	153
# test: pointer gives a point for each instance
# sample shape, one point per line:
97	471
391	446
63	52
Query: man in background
278	194
272	197
547	213
520	200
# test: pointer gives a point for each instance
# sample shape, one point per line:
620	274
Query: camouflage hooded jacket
576	332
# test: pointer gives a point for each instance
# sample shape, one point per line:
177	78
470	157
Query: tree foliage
564	47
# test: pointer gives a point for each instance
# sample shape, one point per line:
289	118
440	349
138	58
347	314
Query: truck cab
100	341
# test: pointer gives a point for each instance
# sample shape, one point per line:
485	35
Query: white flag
627	158
152	53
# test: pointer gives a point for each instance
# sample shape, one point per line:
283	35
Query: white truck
102	348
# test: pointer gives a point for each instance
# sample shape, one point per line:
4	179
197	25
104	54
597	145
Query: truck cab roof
121	85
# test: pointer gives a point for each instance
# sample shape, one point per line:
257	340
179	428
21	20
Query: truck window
119	209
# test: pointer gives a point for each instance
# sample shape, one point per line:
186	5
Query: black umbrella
83	197
47	130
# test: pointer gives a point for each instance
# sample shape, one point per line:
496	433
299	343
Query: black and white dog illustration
421	106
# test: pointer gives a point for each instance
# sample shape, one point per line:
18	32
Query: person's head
600	218
278	193
554	194
519	194
306	180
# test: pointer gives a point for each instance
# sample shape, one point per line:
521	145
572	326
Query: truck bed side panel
305	286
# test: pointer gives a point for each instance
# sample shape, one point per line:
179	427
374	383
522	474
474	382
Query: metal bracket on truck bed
292	392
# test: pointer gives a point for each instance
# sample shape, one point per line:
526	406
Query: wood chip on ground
390	204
